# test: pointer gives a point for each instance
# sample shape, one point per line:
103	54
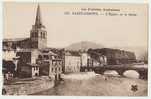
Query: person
4	91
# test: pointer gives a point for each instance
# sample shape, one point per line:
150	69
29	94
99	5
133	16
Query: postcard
75	49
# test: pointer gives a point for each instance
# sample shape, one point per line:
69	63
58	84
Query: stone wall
29	86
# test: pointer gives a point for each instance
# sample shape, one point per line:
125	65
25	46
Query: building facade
50	65
37	39
38	34
27	49
27	64
85	59
72	60
115	56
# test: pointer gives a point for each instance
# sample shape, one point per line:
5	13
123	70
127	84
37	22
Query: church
29	55
37	39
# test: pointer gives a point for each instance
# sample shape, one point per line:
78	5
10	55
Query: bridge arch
142	73
131	73
110	72
117	72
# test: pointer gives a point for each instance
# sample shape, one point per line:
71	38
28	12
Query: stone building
72	62
37	39
9	61
38	34
50	64
27	63
115	56
85	59
92	59
30	50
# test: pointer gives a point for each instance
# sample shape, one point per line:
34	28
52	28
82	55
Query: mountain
83	45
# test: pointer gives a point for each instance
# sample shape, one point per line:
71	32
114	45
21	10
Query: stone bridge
142	71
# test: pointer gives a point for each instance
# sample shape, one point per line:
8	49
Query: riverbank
28	86
78	76
99	85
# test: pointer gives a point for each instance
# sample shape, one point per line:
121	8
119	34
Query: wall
72	63
84	59
55	69
34	56
9	55
30	87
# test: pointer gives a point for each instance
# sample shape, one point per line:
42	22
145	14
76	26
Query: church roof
13	39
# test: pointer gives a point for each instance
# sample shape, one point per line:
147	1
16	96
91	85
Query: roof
49	53
27	50
13	39
72	53
57	51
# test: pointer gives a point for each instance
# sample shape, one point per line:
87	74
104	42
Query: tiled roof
14	39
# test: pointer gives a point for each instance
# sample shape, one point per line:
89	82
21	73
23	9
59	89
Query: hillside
84	45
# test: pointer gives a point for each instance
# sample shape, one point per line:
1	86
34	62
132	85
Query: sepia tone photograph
75	49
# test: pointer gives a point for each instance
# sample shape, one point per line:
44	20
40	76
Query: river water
110	84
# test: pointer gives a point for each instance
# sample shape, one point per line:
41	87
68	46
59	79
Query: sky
63	30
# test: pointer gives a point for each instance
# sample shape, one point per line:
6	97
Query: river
110	84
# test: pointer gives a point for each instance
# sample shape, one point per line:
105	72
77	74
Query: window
41	35
46	56
53	57
32	34
39	57
53	63
56	63
55	69
60	63
36	68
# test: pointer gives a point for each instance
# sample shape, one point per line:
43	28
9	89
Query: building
50	64
9	62
37	39
30	50
92	59
29	70
38	34
115	56
97	59
27	63
72	60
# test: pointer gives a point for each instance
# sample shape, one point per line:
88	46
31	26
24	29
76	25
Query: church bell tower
38	34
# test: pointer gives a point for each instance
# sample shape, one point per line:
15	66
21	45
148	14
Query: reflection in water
111	72
131	73
114	85
98	86
128	73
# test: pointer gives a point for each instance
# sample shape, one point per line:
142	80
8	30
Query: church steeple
38	21
38	34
